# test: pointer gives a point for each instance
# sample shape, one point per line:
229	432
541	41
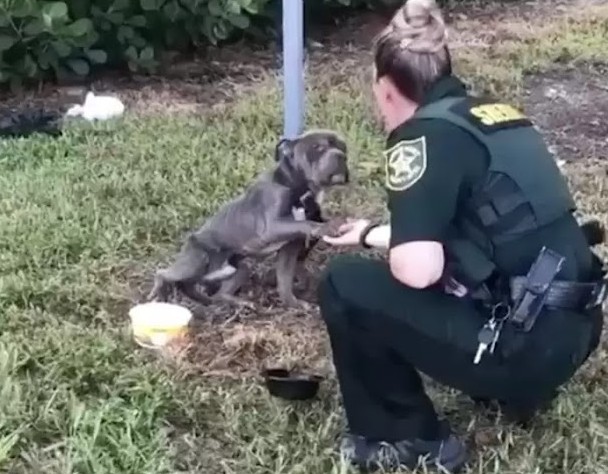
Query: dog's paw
321	229
305	306
316	231
235	301
158	295
332	227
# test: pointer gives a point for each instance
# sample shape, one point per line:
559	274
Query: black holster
539	292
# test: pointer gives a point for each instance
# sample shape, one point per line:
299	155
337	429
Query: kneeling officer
490	285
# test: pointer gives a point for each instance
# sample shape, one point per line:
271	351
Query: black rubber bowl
282	383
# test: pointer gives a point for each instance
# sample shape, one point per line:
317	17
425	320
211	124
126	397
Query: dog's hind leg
221	272
184	269
217	271
222	266
190	263
191	290
229	288
160	288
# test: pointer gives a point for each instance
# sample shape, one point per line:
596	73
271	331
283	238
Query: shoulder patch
496	113
405	163
491	117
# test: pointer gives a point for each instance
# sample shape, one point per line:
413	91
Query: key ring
506	312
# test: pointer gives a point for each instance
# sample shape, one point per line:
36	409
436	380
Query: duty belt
521	299
540	289
524	297
564	294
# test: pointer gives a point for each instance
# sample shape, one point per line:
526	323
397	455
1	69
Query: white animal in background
97	107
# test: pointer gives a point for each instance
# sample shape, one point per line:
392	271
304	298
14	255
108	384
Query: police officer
489	286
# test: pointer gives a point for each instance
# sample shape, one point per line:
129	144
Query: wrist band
364	234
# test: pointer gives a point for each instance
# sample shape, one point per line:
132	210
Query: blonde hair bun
421	26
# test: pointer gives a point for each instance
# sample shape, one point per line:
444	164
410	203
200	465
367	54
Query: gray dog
279	212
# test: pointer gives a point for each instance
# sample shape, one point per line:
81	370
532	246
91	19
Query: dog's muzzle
341	176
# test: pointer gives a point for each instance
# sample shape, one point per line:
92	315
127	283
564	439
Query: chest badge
405	163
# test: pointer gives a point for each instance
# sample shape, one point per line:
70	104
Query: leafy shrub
42	39
36	38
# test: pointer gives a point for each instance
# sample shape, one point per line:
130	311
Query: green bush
42	39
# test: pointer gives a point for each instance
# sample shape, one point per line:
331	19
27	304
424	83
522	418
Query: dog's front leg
287	261
312	212
302	272
306	248
284	231
301	232
302	251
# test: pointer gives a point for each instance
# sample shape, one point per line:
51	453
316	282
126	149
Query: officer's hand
349	233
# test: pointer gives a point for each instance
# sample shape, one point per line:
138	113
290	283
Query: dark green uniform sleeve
425	170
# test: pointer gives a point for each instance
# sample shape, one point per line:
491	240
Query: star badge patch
405	163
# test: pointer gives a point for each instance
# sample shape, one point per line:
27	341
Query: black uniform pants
383	333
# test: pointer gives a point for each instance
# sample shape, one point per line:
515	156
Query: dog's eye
319	147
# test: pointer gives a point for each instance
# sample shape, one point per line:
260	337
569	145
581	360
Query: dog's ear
284	149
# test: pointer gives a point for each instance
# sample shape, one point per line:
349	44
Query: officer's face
373	103
392	106
380	105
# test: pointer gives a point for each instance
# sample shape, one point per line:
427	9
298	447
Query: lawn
86	218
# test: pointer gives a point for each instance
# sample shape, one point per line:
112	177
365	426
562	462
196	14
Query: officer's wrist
364	233
375	236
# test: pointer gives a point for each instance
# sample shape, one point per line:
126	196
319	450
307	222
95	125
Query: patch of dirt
233	341
571	108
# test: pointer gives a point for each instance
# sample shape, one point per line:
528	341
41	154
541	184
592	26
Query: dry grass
85	218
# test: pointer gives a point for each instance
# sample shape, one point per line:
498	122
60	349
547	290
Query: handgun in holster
538	281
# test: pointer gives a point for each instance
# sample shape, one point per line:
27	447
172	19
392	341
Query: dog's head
319	157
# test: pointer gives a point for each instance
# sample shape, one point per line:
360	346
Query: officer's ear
284	150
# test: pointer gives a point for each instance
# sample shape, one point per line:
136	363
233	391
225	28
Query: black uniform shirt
443	158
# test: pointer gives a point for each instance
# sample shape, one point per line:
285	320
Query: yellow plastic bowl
155	324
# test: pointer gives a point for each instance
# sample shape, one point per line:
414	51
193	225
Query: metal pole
293	67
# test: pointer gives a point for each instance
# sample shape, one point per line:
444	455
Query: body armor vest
521	191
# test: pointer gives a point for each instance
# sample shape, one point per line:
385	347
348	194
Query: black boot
517	413
448	453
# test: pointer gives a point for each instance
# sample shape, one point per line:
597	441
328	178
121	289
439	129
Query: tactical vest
522	190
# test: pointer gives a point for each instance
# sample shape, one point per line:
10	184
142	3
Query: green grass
85	219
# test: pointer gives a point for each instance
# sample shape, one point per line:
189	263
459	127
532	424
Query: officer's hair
412	50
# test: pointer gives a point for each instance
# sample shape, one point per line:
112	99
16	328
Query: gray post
293	67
